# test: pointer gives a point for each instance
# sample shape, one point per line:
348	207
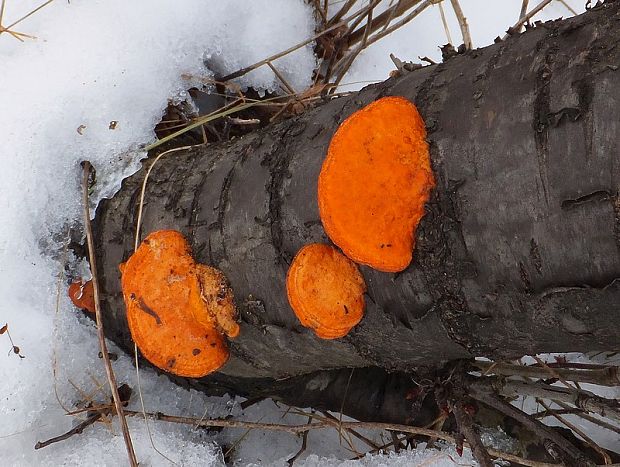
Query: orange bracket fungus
375	182
326	290
82	295
178	311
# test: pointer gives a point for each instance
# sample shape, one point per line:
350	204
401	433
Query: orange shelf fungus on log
325	290
82	295
375	182
177	322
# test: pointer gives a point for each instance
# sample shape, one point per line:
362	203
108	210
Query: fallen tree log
518	253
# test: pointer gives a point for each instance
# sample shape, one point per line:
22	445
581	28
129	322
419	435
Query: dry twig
100	334
576	430
462	24
483	392
450	396
304	444
526	17
585	400
604	376
297	429
581	414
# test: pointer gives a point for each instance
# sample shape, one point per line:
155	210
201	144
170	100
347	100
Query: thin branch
359	436
576	430
343	44
353	55
320	11
247	69
523	12
304	444
288	87
442	13
554	373
604	376
458	11
585	400
465	424
297	429
581	414
29	14
343	11
451	398
344	399
86	166
482	392
553	412
525	18
568	7
76	430
380	35
384	18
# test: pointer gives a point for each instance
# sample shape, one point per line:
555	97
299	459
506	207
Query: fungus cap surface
325	290
162	296
375	182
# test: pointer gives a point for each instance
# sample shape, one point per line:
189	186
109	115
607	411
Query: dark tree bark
519	251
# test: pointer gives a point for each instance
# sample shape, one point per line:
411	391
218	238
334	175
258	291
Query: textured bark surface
519	251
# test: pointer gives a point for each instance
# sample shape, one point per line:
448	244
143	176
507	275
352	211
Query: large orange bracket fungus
325	290
178	311
375	182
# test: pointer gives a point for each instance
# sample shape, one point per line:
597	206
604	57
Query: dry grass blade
102	344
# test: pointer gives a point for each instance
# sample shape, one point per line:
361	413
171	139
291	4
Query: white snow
94	62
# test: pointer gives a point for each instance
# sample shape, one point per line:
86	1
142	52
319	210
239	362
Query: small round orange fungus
325	290
82	295
169	315
375	182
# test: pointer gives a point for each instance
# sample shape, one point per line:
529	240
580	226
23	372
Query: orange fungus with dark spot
82	295
325	290
375	182
170	321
